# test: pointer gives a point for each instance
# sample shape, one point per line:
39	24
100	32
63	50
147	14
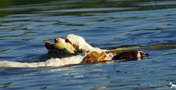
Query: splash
53	62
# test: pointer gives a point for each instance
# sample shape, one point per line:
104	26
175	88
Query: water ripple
106	24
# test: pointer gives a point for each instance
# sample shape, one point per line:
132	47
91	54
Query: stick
120	50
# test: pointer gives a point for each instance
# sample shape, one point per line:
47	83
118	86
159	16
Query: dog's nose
56	40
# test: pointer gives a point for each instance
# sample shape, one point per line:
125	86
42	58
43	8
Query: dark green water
25	24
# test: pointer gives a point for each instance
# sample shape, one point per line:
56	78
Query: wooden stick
120	50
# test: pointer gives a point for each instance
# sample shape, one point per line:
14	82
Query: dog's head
78	43
71	44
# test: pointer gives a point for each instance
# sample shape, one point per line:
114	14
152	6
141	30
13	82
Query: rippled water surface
25	24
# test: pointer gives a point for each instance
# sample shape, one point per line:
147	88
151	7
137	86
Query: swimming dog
74	44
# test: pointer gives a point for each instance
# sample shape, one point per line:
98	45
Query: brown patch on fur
94	56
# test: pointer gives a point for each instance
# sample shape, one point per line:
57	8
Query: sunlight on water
107	24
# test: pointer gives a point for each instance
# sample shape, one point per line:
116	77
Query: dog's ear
78	43
94	56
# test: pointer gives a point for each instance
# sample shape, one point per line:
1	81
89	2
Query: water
25	24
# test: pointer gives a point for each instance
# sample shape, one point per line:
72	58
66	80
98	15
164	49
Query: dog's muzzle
52	48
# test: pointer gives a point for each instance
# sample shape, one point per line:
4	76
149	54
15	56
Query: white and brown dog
74	44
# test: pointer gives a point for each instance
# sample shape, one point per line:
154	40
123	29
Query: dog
74	44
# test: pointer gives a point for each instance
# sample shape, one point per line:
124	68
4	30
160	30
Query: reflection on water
25	24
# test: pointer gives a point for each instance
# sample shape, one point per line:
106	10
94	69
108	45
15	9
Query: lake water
25	24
